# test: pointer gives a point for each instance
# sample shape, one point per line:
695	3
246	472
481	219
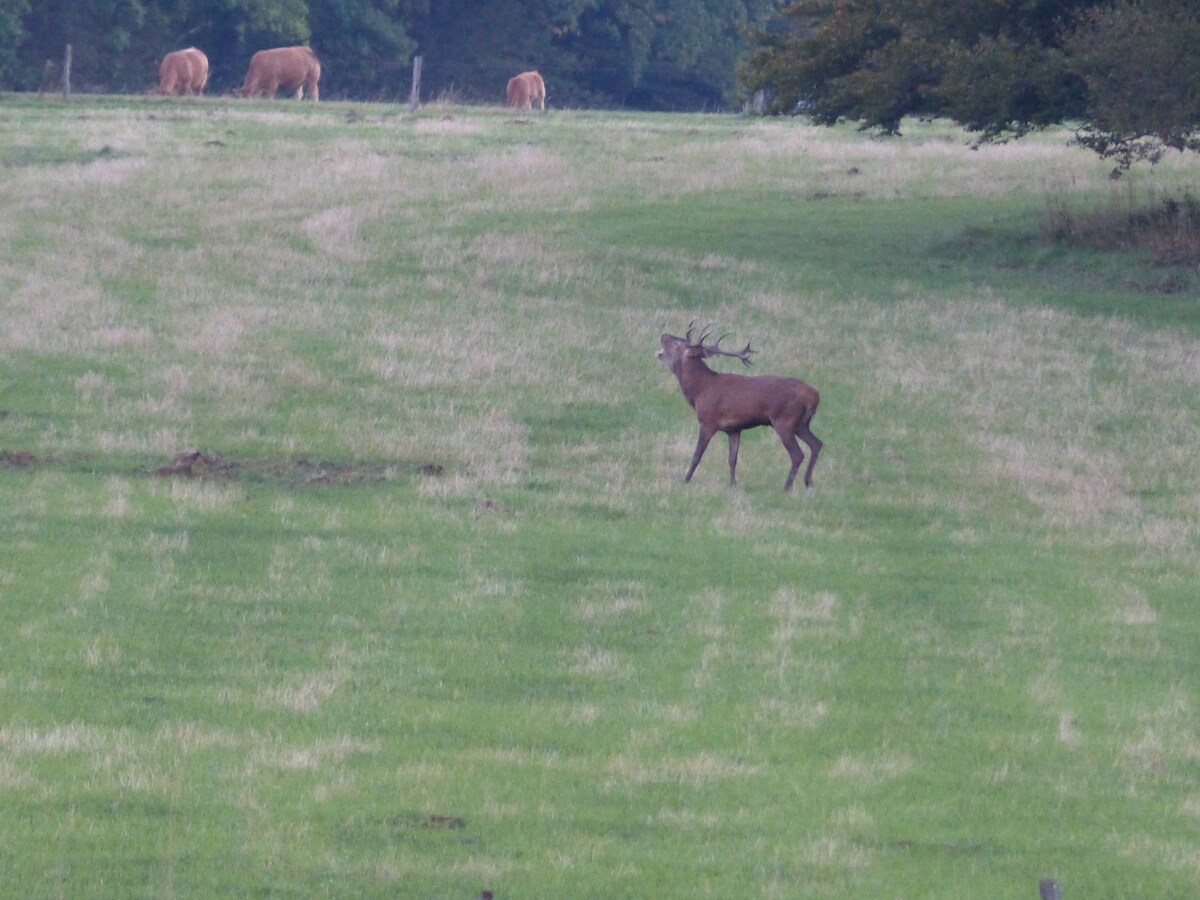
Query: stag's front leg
701	446
735	439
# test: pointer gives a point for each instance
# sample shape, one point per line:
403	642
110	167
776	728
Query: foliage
12	13
1141	65
1126	70
366	45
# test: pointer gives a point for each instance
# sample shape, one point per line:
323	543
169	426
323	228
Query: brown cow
291	68
183	72
526	89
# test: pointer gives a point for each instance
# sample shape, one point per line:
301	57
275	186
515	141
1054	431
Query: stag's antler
703	334
714	349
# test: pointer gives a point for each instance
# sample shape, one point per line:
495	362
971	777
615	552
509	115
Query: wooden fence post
414	96
66	73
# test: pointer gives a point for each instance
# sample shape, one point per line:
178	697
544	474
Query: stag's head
676	349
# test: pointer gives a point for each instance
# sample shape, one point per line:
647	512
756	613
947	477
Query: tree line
651	54
1124	73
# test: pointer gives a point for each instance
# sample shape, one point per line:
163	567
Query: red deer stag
732	403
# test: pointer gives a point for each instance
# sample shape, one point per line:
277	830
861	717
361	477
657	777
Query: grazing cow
291	68
526	89
183	72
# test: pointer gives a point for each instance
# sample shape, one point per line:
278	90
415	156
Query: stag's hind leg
793	448
814	445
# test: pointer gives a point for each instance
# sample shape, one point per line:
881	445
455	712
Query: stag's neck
694	376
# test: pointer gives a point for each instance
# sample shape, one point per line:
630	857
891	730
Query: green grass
435	614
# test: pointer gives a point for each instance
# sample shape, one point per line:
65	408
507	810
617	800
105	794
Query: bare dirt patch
17	459
199	465
294	473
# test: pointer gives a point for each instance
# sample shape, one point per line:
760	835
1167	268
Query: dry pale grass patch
695	771
493	448
598	662
308	693
447	124
671	713
837	853
60	740
217	326
53	312
336	231
1053	421
795	618
1166	735
310	757
13	779
529	172
873	769
1129	605
95	179
191	737
466	348
776	712
604	600
1175	855
137	439
118	504
833	162
195	496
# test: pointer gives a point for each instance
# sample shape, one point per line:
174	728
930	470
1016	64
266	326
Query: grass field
344	549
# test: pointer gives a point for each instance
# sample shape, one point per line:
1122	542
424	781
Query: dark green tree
662	54
999	67
471	49
610	49
1141	65
365	47
696	50
12	29
101	34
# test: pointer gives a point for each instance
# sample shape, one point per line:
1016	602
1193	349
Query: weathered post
414	96
66	73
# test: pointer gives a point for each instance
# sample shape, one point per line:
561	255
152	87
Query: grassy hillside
345	552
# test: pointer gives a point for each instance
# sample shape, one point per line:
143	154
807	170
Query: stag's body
732	403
